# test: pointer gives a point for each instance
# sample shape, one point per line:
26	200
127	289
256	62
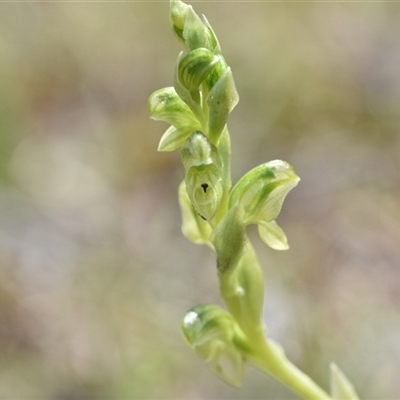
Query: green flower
216	338
203	175
260	193
195	66
166	105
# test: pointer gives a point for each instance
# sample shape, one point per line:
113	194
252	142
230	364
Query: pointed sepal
196	229
221	100
165	105
273	235
173	139
196	33
213	40
341	388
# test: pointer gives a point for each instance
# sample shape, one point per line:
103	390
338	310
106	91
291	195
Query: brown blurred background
95	275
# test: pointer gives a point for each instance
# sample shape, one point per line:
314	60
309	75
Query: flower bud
216	338
195	66
177	14
190	97
196	33
190	29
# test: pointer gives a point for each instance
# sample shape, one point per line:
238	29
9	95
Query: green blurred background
95	275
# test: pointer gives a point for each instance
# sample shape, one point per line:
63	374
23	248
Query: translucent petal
228	365
273	235
341	388
173	139
216	48
194	228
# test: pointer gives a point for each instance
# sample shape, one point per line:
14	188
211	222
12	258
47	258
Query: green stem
224	147
270	358
242	288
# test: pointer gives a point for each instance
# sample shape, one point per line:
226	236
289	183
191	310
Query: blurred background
95	274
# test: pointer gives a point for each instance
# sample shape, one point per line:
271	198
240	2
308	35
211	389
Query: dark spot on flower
205	187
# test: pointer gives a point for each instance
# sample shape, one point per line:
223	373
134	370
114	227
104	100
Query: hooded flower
260	193
215	336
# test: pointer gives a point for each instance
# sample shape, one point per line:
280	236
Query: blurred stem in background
197	107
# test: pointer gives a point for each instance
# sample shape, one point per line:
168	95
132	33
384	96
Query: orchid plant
216	214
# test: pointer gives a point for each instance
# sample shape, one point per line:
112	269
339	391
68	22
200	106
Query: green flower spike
203	174
261	193
198	107
217	339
